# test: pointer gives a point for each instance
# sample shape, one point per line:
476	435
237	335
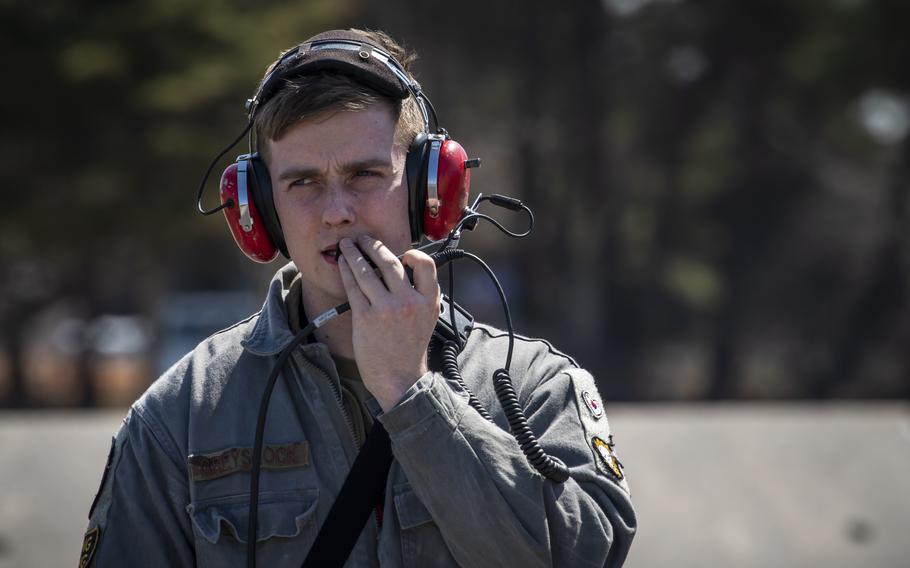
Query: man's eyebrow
298	172
367	164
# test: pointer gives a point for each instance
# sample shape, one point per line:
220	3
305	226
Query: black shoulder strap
362	490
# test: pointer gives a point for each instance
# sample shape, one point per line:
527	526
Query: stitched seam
168	448
232	326
552	350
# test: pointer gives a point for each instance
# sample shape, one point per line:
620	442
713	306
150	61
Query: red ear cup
250	232
453	184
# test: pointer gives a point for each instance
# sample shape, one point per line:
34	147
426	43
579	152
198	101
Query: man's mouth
331	254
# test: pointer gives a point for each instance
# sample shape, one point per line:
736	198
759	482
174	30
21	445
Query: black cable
470	220
451	372
257	443
429	105
253	516
502	298
208	171
452	305
448	255
550	467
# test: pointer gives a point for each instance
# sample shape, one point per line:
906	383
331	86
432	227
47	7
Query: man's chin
322	296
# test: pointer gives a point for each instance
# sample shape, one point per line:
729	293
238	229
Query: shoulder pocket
281	513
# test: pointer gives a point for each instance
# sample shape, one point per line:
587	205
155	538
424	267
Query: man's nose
338	208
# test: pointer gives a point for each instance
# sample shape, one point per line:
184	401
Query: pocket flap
281	514
411	510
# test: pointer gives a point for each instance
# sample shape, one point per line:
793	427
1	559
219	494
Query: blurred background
722	238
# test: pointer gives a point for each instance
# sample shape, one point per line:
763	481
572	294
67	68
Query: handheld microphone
440	257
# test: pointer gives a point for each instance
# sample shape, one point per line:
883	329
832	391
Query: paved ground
780	485
741	485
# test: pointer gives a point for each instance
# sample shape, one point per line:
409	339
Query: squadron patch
605	452
595	426
89	545
593	404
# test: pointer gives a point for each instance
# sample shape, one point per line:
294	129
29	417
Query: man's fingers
356	297
361	271
390	268
424	272
392	277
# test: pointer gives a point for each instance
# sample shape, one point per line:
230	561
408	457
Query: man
176	489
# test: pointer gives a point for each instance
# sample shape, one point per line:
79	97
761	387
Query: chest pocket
285	530
422	545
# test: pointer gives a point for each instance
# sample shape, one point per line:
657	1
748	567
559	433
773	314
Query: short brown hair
327	91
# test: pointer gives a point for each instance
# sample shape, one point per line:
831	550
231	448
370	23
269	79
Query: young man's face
335	175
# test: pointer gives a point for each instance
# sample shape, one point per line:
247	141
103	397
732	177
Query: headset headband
356	59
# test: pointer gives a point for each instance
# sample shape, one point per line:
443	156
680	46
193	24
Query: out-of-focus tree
111	112
714	218
720	188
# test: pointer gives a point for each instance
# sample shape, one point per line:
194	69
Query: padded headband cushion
303	60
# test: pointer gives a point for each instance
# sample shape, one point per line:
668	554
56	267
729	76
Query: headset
437	167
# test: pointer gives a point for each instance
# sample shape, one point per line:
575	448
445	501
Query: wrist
388	391
390	399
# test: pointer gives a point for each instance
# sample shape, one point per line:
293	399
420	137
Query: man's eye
303	181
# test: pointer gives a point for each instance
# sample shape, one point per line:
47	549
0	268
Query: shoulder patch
590	405
596	427
89	545
593	404
607	457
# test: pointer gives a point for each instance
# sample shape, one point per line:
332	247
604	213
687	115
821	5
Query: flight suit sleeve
491	507
138	517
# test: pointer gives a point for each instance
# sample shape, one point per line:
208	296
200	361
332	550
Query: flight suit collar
272	331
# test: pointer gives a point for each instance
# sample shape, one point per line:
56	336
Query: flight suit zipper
336	391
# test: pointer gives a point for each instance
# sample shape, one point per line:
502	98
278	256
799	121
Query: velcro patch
608	457
593	404
597	433
235	460
89	545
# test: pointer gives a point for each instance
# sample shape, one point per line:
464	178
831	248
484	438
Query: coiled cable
550	467
451	372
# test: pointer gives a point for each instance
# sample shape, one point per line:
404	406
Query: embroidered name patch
605	452
89	544
234	460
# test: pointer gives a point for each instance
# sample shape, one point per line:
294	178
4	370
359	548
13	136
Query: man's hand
392	322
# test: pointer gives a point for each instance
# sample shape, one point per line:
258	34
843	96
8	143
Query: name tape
235	460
